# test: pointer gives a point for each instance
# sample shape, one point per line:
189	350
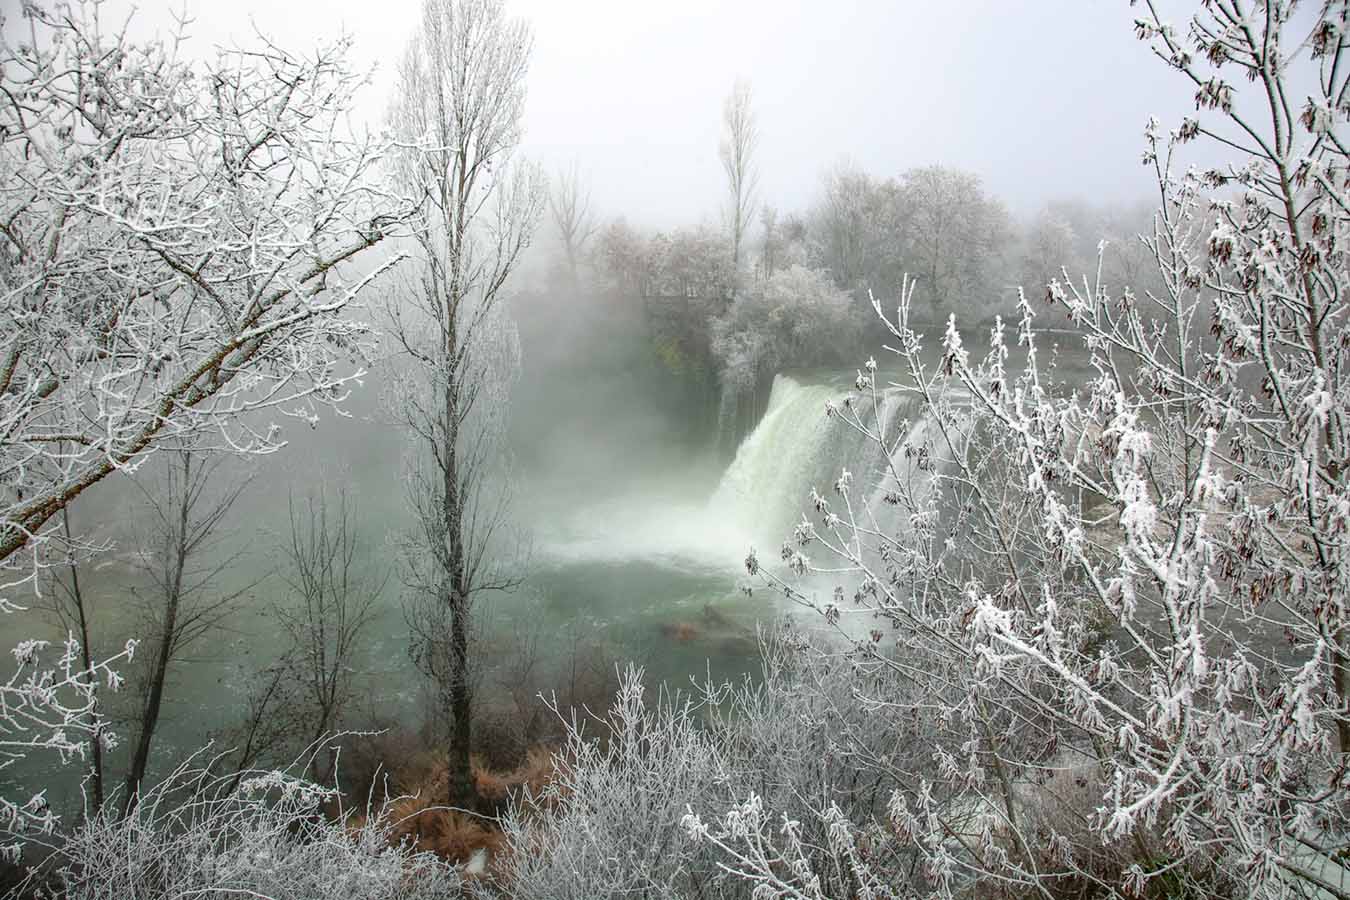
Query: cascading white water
771	477
796	447
767	488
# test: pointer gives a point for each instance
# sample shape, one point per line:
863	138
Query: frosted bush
200	835
608	824
627	811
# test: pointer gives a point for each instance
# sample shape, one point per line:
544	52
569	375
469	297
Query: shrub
192	835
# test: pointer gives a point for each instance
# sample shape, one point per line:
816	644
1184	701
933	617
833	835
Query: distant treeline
802	292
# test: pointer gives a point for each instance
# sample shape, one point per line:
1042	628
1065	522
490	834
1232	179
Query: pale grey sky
1042	98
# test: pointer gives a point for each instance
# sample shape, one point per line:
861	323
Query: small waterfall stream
796	447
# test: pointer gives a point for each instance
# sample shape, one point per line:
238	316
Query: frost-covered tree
693	263
795	318
934	223
457	110
955	234
180	246
1073	236
1047	249
849	228
771	242
1117	604
620	255
174	253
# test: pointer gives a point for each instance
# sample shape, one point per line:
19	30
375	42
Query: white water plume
797	448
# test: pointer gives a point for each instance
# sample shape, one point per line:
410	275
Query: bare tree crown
740	136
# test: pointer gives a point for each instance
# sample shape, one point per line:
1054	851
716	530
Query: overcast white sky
1041	98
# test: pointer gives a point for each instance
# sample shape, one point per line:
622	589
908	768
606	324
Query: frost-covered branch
181	245
50	705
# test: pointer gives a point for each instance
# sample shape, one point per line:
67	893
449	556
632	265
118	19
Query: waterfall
764	492
796	447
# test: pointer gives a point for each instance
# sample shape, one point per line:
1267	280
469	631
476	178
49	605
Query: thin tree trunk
150	714
463	792
164	652
87	659
459	775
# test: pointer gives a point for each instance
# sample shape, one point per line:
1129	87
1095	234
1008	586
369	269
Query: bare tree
182	562
458	110
331	608
173	253
274	719
739	140
543	666
569	204
299	698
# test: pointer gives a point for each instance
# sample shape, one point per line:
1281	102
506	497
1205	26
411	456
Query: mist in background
1041	100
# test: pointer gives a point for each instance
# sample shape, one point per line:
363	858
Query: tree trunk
463	792
150	714
87	658
154	698
459	776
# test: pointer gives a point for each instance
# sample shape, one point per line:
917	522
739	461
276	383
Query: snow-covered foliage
199	835
955	236
1132	582
635	799
796	317
1067	236
685	262
934	222
175	252
606	826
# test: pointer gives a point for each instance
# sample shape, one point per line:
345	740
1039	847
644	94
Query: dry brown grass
533	774
451	835
422	818
399	767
